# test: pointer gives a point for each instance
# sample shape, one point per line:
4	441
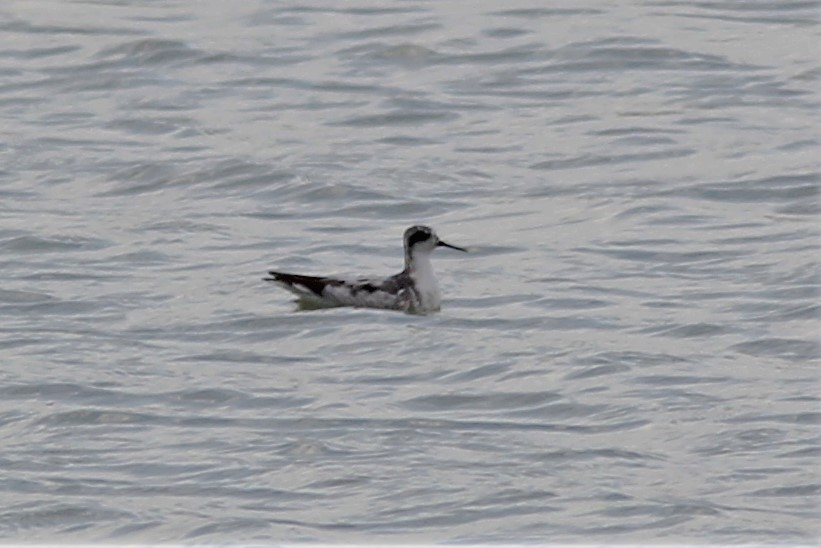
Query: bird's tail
298	284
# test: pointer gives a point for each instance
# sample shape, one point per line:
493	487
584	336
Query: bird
413	290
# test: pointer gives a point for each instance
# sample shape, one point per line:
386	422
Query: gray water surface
629	354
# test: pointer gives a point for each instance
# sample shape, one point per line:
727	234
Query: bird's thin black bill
443	244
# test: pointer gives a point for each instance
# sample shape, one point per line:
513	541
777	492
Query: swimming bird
413	290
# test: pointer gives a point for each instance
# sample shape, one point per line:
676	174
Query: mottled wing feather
393	292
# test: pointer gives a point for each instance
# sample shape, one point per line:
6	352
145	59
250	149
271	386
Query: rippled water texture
629	354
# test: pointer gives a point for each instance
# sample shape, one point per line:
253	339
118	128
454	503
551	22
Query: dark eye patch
418	236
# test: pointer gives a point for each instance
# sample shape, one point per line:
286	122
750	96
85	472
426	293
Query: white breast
427	288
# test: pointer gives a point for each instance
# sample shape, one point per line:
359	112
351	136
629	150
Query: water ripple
627	354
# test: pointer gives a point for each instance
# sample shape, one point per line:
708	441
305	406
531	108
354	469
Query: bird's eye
418	236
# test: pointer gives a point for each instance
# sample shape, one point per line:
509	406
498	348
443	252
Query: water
630	354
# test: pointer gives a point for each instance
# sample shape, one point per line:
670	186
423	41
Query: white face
420	238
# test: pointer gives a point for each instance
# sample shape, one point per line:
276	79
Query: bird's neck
418	265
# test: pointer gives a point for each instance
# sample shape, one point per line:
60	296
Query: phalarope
413	290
